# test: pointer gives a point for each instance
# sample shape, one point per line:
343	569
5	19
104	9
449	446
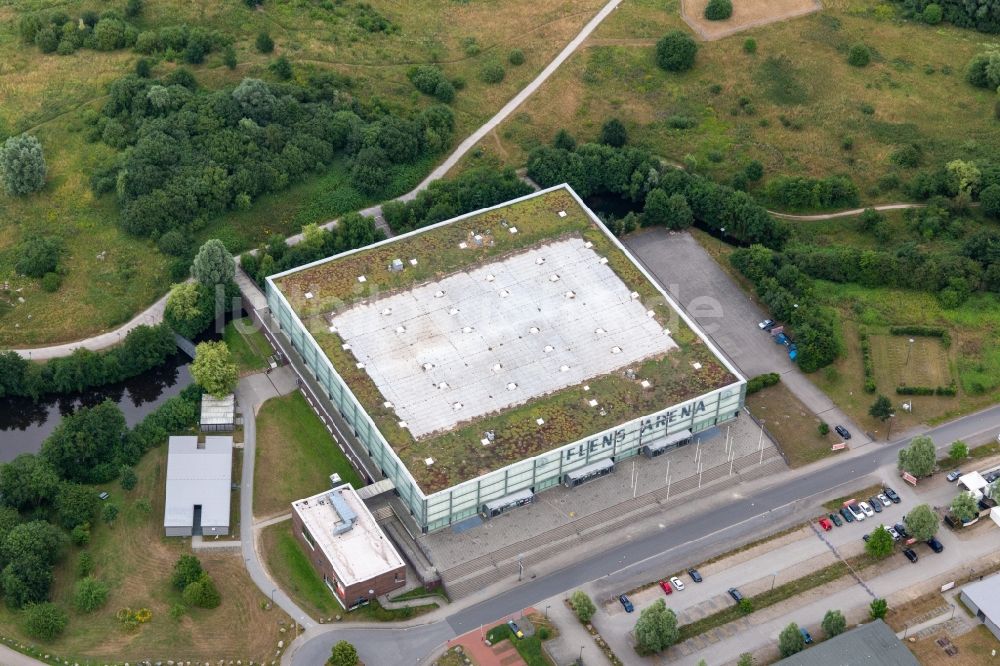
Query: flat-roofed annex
486	339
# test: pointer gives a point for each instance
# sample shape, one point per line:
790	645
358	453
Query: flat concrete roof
986	595
198	474
357	554
872	644
499	335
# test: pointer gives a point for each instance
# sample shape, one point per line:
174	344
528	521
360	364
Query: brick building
347	547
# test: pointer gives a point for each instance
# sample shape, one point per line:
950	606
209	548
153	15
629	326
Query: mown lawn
529	647
792	424
295	456
48	94
248	345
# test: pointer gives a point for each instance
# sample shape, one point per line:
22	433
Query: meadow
794	104
110	276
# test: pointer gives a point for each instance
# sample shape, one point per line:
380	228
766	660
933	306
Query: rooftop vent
359	366
309	294
563	368
554	277
548	349
453	311
645	384
463	245
570	294
443	385
387	311
346	346
562	213
513	230
347	516
457	406
413	262
592	402
504	293
467	329
540	421
401	329
497	367
396	265
362	278
490	277
599	331
438	294
634	295
540	261
428	461
533	330
387	404
616	350
428	366
696	365
603	260
511	386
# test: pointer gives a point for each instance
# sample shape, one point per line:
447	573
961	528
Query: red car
825	524
665	584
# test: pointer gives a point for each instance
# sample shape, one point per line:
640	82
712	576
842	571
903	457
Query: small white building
974	483
199	486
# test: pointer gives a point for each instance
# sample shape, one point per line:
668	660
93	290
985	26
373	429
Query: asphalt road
682	542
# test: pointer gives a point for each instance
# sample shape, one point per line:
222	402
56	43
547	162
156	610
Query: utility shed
348	548
872	644
218	414
199	478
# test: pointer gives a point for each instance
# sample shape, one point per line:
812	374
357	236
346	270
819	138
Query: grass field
248	345
295	456
292	570
792	105
529	647
899	362
135	559
974	648
47	94
792	424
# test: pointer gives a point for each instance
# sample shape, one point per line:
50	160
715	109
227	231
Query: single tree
675	52
878	609
84	446
202	593
881	409
128	478
613	133
958	452
965	507
109	513
75	505
718	10
919	458
859	55
582	606
27	482
186	571
879	544
343	654
834	623
281	67
656	629
22	165
190	308
264	42
213	264
213	368
921	522
790	640
44	621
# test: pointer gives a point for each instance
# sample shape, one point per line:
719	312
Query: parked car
805	635
735	594
514	629
858	514
893	533
935	545
677	583
626	604
885	500
911	555
836	519
825	524
842	431
866	508
665	586
875	504
848	516
766	325
866	537
953	475
901	529
891	494
695	576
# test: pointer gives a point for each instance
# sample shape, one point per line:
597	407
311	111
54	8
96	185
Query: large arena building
486	358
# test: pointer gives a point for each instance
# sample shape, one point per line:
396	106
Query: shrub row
866	360
924	331
143	348
949	390
801	193
762	381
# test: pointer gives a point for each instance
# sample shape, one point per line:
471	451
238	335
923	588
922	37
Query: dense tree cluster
173	41
194	154
801	192
57	32
444	199
981	15
788	294
430	80
143	348
352	231
956	179
636	176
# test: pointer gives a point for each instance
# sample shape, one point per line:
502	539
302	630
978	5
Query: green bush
718	10
264	42
22	165
907	156
492	73
44	622
750	45
202	593
84	565
859	55
823	429
676	51
281	67
516	57
51	282
932	14
89	594
762	381
186	571
681	122
582	606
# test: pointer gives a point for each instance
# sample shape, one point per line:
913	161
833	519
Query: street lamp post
773	576
908	348
547	612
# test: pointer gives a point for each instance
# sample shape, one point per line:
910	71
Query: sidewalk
566	647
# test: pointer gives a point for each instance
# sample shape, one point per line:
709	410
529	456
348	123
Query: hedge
762	381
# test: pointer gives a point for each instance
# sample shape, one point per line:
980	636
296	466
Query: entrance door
196	522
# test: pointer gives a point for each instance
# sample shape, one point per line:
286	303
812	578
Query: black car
935	545
842	431
901	529
626	604
695	576
735	594
848	516
835	519
876	504
910	555
891	494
